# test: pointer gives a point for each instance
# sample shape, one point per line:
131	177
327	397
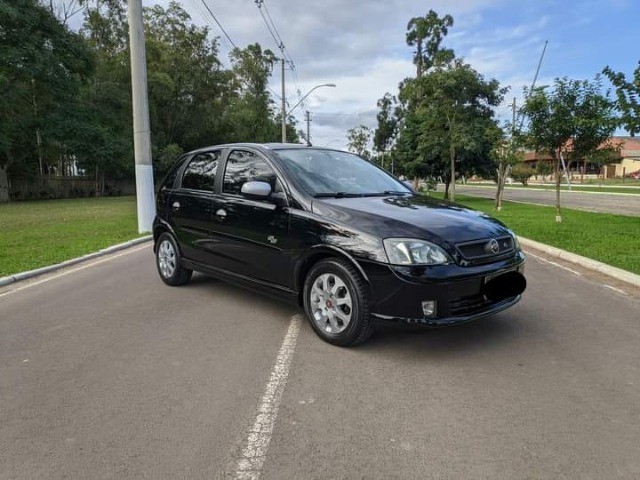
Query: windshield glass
334	173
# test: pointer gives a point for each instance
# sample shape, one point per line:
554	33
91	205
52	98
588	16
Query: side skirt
254	284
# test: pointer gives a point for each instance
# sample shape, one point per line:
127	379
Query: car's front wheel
336	301
168	262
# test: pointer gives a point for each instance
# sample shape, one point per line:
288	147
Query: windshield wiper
337	195
386	192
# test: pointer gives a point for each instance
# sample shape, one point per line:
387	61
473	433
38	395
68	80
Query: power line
271	26
275	29
219	24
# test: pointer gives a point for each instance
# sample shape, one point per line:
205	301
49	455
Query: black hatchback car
331	231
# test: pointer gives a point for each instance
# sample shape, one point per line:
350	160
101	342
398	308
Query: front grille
486	248
468	305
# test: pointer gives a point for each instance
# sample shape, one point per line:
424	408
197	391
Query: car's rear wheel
168	261
336	302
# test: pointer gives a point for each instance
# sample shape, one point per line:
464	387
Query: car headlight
516	243
409	251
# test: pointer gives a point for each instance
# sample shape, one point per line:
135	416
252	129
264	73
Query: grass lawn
612	239
37	234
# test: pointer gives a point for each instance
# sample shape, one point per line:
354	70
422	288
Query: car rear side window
200	174
245	167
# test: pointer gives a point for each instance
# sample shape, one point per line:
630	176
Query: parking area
108	373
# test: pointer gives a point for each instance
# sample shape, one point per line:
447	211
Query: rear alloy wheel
336	303
168	262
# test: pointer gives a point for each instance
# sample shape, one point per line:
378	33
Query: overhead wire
277	38
219	24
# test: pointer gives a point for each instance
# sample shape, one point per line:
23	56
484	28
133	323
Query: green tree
103	144
358	139
455	111
572	120
42	66
522	173
506	155
628	96
387	128
252	115
426	34
189	91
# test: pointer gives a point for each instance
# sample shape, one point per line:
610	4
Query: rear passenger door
191	204
250	234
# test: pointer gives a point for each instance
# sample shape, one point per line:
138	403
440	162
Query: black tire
342	277
171	271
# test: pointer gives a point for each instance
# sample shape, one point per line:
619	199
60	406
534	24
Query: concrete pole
141	131
308	128
284	108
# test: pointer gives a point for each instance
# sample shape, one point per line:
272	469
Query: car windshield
340	174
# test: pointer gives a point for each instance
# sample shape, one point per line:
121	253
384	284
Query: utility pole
284	107
308	117
141	131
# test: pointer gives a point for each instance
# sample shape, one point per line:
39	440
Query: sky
360	46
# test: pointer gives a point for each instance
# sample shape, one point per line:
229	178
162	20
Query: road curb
589	263
8	280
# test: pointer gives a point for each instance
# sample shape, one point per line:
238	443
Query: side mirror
256	190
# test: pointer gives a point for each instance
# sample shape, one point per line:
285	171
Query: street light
285	113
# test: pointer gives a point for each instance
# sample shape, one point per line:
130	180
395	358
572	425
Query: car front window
334	173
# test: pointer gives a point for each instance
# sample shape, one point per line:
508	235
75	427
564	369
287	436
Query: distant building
624	161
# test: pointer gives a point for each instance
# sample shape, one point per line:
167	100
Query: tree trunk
558	182
4	185
97	183
452	158
501	175
446	189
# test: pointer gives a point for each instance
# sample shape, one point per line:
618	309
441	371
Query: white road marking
554	264
257	442
73	270
616	289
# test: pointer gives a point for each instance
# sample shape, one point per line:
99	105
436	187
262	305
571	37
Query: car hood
414	216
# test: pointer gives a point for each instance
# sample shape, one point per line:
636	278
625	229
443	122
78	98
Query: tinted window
201	171
246	167
170	179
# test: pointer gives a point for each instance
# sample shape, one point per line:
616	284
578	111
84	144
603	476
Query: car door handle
175	206
221	214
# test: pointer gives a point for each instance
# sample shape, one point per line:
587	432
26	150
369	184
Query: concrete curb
589	263
51	268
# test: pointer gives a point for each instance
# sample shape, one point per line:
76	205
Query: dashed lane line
257	442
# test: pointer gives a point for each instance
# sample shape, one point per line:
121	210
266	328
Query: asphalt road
107	373
595	202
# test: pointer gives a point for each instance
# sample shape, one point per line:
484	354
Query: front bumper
397	293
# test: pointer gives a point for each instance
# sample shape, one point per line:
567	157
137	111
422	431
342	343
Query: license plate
488	278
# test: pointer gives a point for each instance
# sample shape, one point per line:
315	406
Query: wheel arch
158	229
313	256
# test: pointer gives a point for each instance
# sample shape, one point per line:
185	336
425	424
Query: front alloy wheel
336	301
331	303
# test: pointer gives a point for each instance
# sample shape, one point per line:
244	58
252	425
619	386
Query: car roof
264	146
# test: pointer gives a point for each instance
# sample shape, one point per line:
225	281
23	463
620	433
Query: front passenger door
250	234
